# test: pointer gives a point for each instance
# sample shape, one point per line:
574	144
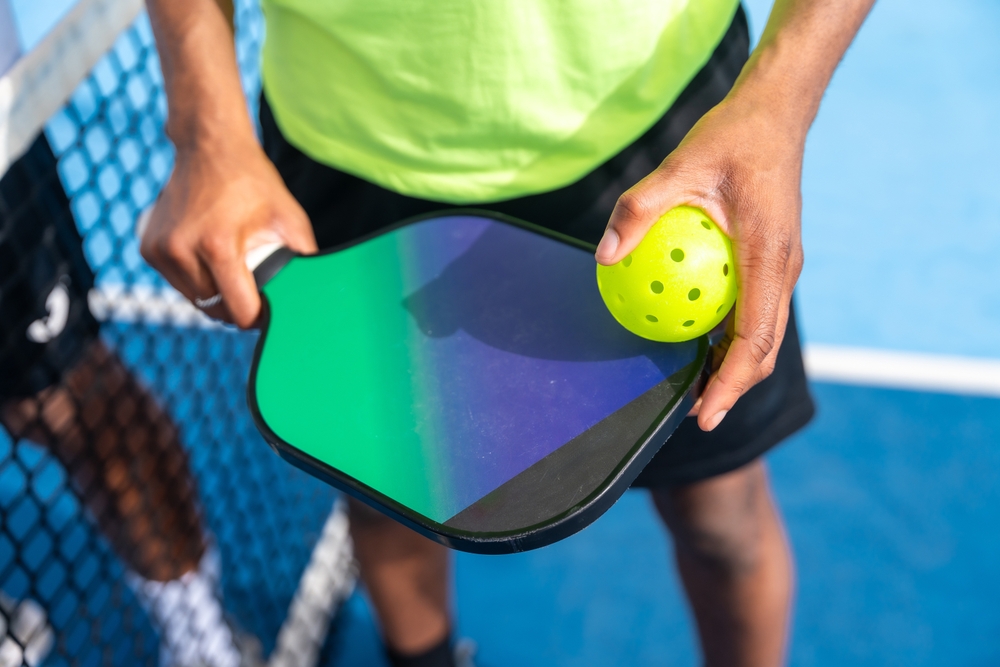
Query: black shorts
343	207
45	323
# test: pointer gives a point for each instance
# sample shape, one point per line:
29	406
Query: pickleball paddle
460	373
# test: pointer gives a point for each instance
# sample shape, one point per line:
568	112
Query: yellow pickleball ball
678	283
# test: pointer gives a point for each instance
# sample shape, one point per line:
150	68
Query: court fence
127	453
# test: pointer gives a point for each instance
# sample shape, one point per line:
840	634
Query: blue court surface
892	496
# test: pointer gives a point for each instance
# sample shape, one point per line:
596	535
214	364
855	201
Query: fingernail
717	419
609	243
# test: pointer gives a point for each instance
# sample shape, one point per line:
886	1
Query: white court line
903	370
327	581
825	363
147	304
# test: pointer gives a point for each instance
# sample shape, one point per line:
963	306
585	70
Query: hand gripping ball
677	284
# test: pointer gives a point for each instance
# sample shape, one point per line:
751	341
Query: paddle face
462	374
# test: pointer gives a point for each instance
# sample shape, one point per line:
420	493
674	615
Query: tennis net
127	454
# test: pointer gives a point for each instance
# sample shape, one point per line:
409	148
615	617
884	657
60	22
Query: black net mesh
134	489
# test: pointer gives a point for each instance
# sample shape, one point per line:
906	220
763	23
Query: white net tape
41	82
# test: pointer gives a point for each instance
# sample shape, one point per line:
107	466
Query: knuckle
796	262
147	250
739	386
671	169
634	206
776	247
735	378
172	249
215	247
767	368
761	343
772	260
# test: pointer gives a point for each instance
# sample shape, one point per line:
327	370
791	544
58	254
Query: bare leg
734	560
406	576
124	458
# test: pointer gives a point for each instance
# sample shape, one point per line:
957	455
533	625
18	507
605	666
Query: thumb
294	227
636	211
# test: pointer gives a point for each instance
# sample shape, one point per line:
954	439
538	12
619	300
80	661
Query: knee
724	546
721	528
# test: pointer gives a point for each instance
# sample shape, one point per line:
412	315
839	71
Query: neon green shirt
467	101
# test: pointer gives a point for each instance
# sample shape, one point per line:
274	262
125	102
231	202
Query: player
62	388
588	116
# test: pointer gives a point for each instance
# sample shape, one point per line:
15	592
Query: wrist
198	130
208	137
777	87
206	104
750	114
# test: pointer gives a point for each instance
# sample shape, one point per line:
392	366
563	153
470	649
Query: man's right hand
224	197
218	205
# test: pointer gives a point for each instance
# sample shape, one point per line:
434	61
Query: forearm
224	196
204	95
802	44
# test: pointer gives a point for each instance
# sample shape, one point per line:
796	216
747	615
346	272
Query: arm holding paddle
224	197
742	164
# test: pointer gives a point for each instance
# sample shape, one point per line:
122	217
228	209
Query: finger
294	228
780	328
759	328
175	259
635	212
195	282
717	354
721	348
793	269
680	180
766	368
225	257
223	254
240	296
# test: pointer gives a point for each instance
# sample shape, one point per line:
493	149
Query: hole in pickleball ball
725	269
719	308
622	299
704	223
652	318
627	262
677	254
656	286
694	294
689	323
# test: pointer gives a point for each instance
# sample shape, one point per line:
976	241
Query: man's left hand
742	166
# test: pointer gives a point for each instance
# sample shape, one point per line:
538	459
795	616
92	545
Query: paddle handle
257	256
264	261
